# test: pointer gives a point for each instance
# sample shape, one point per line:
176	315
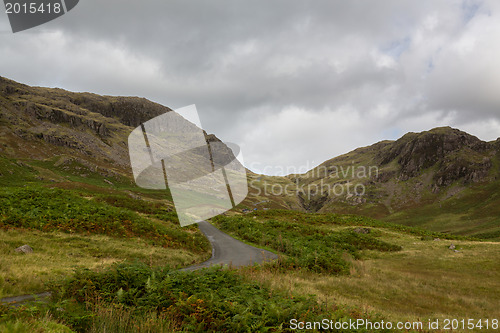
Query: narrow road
225	251
16	301
228	251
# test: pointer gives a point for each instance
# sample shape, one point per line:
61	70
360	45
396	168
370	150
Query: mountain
110	250
40	123
443	179
67	128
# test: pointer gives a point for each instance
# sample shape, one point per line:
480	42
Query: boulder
24	249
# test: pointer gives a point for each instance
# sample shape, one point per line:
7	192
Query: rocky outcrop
46	122
462	169
59	116
130	111
61	140
445	148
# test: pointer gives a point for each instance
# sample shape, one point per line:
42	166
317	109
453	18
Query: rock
362	230
133	195
24	249
452	247
436	239
456	251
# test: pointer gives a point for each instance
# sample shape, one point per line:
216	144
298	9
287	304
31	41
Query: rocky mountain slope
91	130
443	179
39	123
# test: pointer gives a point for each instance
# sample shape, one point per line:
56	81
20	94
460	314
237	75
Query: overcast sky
294	83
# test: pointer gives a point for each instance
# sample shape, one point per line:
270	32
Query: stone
452	247
24	249
362	230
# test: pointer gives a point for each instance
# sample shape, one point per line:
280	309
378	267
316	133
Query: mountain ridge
416	171
421	179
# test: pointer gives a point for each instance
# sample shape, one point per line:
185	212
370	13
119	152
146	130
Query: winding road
228	251
225	251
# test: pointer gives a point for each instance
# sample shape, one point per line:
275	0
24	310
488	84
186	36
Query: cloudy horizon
293	83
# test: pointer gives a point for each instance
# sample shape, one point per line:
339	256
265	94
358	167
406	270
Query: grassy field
424	280
474	211
392	273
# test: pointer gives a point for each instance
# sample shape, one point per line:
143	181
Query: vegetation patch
137	298
54	209
303	246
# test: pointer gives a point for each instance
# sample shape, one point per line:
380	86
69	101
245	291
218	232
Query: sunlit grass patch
57	254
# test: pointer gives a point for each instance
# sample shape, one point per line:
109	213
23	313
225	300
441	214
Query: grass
346	220
407	286
56	254
44	324
473	212
89	228
422	281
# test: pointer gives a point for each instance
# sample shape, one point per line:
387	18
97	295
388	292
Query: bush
209	300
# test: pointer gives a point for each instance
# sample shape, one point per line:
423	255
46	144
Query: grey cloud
242	61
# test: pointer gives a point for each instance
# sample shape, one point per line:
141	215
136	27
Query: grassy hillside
423	279
75	218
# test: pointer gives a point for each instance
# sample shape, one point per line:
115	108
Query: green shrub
209	300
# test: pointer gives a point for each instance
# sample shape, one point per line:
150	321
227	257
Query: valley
419	243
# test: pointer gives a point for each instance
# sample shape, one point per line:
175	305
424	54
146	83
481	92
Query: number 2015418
32	8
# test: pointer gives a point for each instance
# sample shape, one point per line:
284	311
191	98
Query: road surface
228	251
